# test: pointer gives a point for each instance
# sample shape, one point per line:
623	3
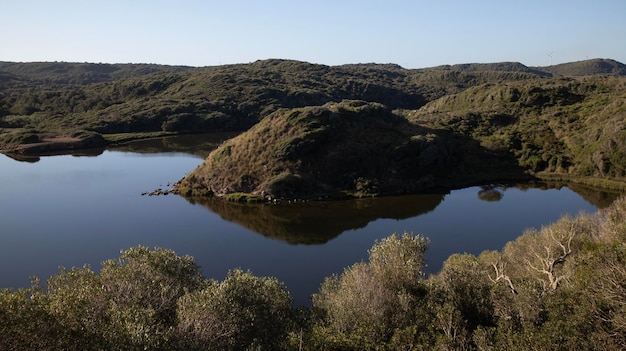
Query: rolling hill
381	127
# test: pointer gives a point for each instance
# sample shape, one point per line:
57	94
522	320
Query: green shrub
371	302
244	312
244	197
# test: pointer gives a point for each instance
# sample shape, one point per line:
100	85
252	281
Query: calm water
73	210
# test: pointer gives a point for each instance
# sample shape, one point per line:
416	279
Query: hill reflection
314	223
311	223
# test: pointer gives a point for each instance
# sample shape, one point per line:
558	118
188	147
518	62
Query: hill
495	67
57	74
209	99
558	126
393	130
587	68
570	69
352	148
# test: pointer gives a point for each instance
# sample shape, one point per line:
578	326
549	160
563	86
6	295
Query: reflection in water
194	144
92	152
318	222
600	198
490	193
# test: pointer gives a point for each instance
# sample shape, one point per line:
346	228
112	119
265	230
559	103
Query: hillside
352	148
350	130
591	67
496	67
39	98
587	68
558	126
58	74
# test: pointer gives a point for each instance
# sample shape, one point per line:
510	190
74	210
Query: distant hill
58	98
570	69
495	67
53	74
587	68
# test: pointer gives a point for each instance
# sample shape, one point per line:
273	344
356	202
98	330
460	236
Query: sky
413	34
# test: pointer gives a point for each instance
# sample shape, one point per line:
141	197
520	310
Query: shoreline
55	145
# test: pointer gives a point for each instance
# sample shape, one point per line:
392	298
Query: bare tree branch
498	267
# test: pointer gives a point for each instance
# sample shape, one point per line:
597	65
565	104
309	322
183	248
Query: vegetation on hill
351	148
60	74
62	98
560	287
587	68
475	121
564	126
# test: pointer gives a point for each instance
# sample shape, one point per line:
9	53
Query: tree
24	322
143	287
242	312
371	302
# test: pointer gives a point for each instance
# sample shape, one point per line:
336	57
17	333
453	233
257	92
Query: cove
71	210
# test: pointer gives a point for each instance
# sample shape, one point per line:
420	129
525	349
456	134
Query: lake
71	210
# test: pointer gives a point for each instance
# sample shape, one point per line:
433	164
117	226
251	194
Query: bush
370	302
243	312
24	322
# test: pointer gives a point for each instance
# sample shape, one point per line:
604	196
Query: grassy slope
350	148
497	112
560	126
64	98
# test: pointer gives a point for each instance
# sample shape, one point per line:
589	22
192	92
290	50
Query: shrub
370	302
241	313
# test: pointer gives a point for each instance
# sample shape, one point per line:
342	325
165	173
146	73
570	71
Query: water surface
69	211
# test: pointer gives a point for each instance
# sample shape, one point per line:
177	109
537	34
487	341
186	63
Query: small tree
370	302
242	312
24	322
143	287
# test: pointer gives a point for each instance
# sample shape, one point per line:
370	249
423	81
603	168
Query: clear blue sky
412	34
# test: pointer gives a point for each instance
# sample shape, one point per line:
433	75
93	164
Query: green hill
587	68
478	121
42	98
351	148
559	126
51	74
495	67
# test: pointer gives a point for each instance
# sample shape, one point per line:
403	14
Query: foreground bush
239	313
562	287
147	299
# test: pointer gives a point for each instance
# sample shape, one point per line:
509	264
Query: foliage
371	303
501	120
560	287
352	148
147	299
240	313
